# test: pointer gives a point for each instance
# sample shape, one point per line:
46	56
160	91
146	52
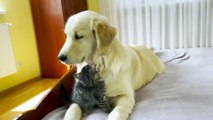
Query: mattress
183	92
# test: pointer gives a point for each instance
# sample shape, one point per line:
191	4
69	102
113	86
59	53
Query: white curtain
161	24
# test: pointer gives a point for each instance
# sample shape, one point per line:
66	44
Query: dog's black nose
62	57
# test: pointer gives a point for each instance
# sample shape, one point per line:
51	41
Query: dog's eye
77	37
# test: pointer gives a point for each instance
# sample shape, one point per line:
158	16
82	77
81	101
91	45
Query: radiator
161	24
7	61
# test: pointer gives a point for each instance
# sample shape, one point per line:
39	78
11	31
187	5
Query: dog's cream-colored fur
124	68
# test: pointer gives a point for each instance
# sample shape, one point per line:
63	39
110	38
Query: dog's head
87	32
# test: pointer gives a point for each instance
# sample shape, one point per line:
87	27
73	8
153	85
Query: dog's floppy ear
104	33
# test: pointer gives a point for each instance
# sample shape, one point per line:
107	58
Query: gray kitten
89	91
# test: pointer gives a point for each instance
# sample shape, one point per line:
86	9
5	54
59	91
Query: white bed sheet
183	92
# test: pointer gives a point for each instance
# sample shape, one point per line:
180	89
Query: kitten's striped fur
89	91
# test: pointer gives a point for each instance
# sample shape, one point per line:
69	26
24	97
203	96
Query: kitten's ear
94	67
94	70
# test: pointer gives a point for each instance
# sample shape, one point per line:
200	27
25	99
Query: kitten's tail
66	98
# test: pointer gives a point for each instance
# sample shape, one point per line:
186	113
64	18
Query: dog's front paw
117	115
73	112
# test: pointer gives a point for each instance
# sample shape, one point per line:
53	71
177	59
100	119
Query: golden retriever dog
124	69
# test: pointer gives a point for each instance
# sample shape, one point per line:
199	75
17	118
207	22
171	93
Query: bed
183	92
